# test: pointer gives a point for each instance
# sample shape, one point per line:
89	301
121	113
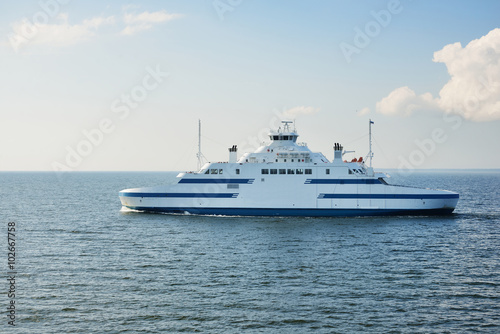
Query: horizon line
180	171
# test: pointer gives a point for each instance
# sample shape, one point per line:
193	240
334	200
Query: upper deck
284	148
283	155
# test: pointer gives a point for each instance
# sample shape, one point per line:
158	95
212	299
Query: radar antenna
286	126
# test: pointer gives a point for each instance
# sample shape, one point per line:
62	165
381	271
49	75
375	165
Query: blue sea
83	265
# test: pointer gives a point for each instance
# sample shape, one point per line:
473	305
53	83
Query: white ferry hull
303	199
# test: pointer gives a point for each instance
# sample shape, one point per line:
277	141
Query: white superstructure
285	178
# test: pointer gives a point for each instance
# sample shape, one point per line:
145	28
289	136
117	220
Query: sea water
84	265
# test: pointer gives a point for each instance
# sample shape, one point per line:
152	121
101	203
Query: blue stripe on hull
342	181
217	181
295	212
180	195
389	196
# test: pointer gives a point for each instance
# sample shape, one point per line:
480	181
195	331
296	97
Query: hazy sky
120	85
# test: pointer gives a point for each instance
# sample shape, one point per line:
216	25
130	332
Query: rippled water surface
85	266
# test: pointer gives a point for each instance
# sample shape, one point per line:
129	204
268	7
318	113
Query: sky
121	85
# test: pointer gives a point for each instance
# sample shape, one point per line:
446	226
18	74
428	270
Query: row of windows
298	171
356	171
298	160
279	171
215	171
284	160
286	171
218	171
283	137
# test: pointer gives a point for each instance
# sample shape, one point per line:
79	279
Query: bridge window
220	171
214	171
282	171
274	171
308	171
237	171
299	171
265	171
291	171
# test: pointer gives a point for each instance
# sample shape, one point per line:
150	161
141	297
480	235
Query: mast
370	153
199	154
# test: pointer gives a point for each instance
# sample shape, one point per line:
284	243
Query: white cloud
134	29
474	87
299	110
473	90
363	112
146	20
59	34
147	17
96	22
403	100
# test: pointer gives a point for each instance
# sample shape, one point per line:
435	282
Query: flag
372	122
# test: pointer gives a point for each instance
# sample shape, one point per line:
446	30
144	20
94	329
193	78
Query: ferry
286	178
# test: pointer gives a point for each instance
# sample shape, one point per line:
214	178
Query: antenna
199	155
286	125
370	153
